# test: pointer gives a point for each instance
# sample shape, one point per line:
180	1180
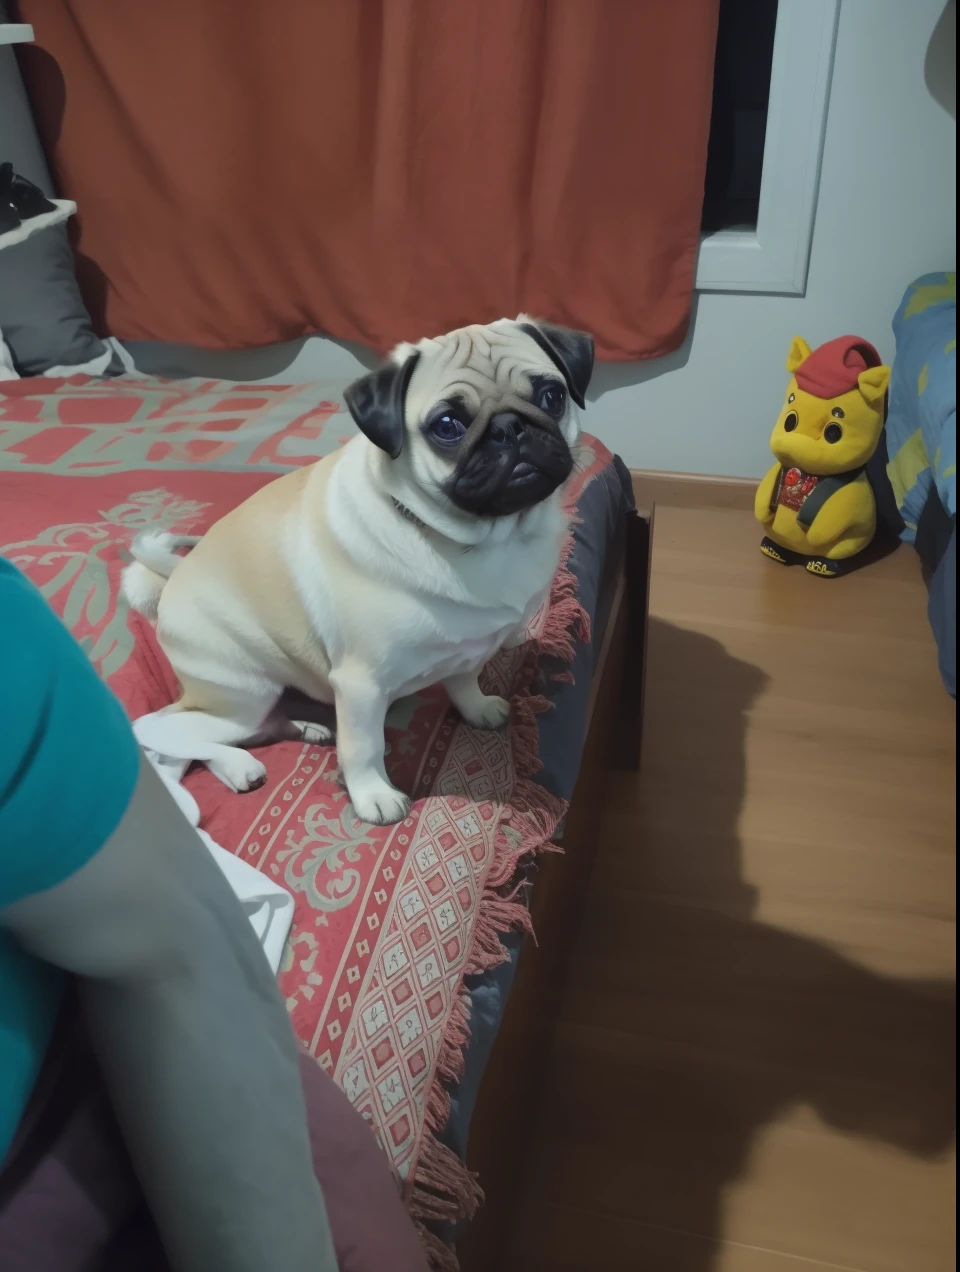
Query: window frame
15	33
775	256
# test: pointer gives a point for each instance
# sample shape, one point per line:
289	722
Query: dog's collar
405	512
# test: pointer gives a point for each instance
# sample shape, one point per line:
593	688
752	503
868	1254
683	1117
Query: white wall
886	213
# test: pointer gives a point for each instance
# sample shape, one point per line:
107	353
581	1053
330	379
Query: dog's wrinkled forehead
480	366
482	369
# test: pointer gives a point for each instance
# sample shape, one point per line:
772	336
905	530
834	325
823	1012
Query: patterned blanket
388	920
921	422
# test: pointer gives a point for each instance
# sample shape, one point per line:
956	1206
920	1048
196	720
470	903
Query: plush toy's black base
820	566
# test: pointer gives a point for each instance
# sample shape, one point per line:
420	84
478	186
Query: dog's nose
506	427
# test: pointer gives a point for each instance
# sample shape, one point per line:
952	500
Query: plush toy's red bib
795	485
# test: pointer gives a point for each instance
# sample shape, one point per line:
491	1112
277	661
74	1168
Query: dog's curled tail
154	560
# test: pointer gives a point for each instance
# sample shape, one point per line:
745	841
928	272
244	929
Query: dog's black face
518	456
485	416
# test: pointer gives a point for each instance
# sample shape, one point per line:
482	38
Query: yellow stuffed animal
816	502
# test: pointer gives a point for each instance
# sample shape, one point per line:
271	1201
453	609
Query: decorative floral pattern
70	565
318	864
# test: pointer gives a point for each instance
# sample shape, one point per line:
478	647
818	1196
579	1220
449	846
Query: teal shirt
68	767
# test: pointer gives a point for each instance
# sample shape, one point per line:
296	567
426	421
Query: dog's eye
791	397
832	433
551	399
447	428
837	413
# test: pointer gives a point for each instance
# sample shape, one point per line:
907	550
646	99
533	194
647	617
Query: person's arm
193	1040
183	1011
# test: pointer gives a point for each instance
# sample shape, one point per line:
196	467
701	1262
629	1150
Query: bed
408	941
915	472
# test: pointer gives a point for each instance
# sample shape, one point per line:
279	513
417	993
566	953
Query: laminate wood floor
754	1066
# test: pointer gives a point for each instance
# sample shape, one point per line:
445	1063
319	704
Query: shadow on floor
689	1025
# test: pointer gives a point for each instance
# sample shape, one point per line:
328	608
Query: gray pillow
42	316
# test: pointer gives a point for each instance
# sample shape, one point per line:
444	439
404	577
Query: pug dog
404	559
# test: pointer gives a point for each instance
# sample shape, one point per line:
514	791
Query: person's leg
69	1199
372	1231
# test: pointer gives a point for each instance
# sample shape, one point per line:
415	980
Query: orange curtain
249	171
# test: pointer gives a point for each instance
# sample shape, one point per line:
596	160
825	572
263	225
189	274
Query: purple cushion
70	1202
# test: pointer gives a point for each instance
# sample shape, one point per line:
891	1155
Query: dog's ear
570	351
376	403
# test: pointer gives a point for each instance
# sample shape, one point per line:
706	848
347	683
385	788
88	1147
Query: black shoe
783	556
20	196
24	207
825	569
9	219
9	214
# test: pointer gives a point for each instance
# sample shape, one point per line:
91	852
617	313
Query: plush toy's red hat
835	367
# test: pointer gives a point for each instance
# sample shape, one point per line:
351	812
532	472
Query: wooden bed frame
507	1104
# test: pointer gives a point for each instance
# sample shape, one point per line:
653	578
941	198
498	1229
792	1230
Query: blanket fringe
443	1190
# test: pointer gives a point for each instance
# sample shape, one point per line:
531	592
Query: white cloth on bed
96	367
268	906
7	371
99	364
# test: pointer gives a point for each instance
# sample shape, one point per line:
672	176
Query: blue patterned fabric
921	440
922	414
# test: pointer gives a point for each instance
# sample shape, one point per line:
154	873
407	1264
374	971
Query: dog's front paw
490	712
240	770
379	803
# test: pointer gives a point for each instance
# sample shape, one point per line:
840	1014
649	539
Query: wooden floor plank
753	1069
577	1241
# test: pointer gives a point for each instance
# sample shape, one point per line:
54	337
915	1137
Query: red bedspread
388	919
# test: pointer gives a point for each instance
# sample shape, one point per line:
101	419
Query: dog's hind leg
211	732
